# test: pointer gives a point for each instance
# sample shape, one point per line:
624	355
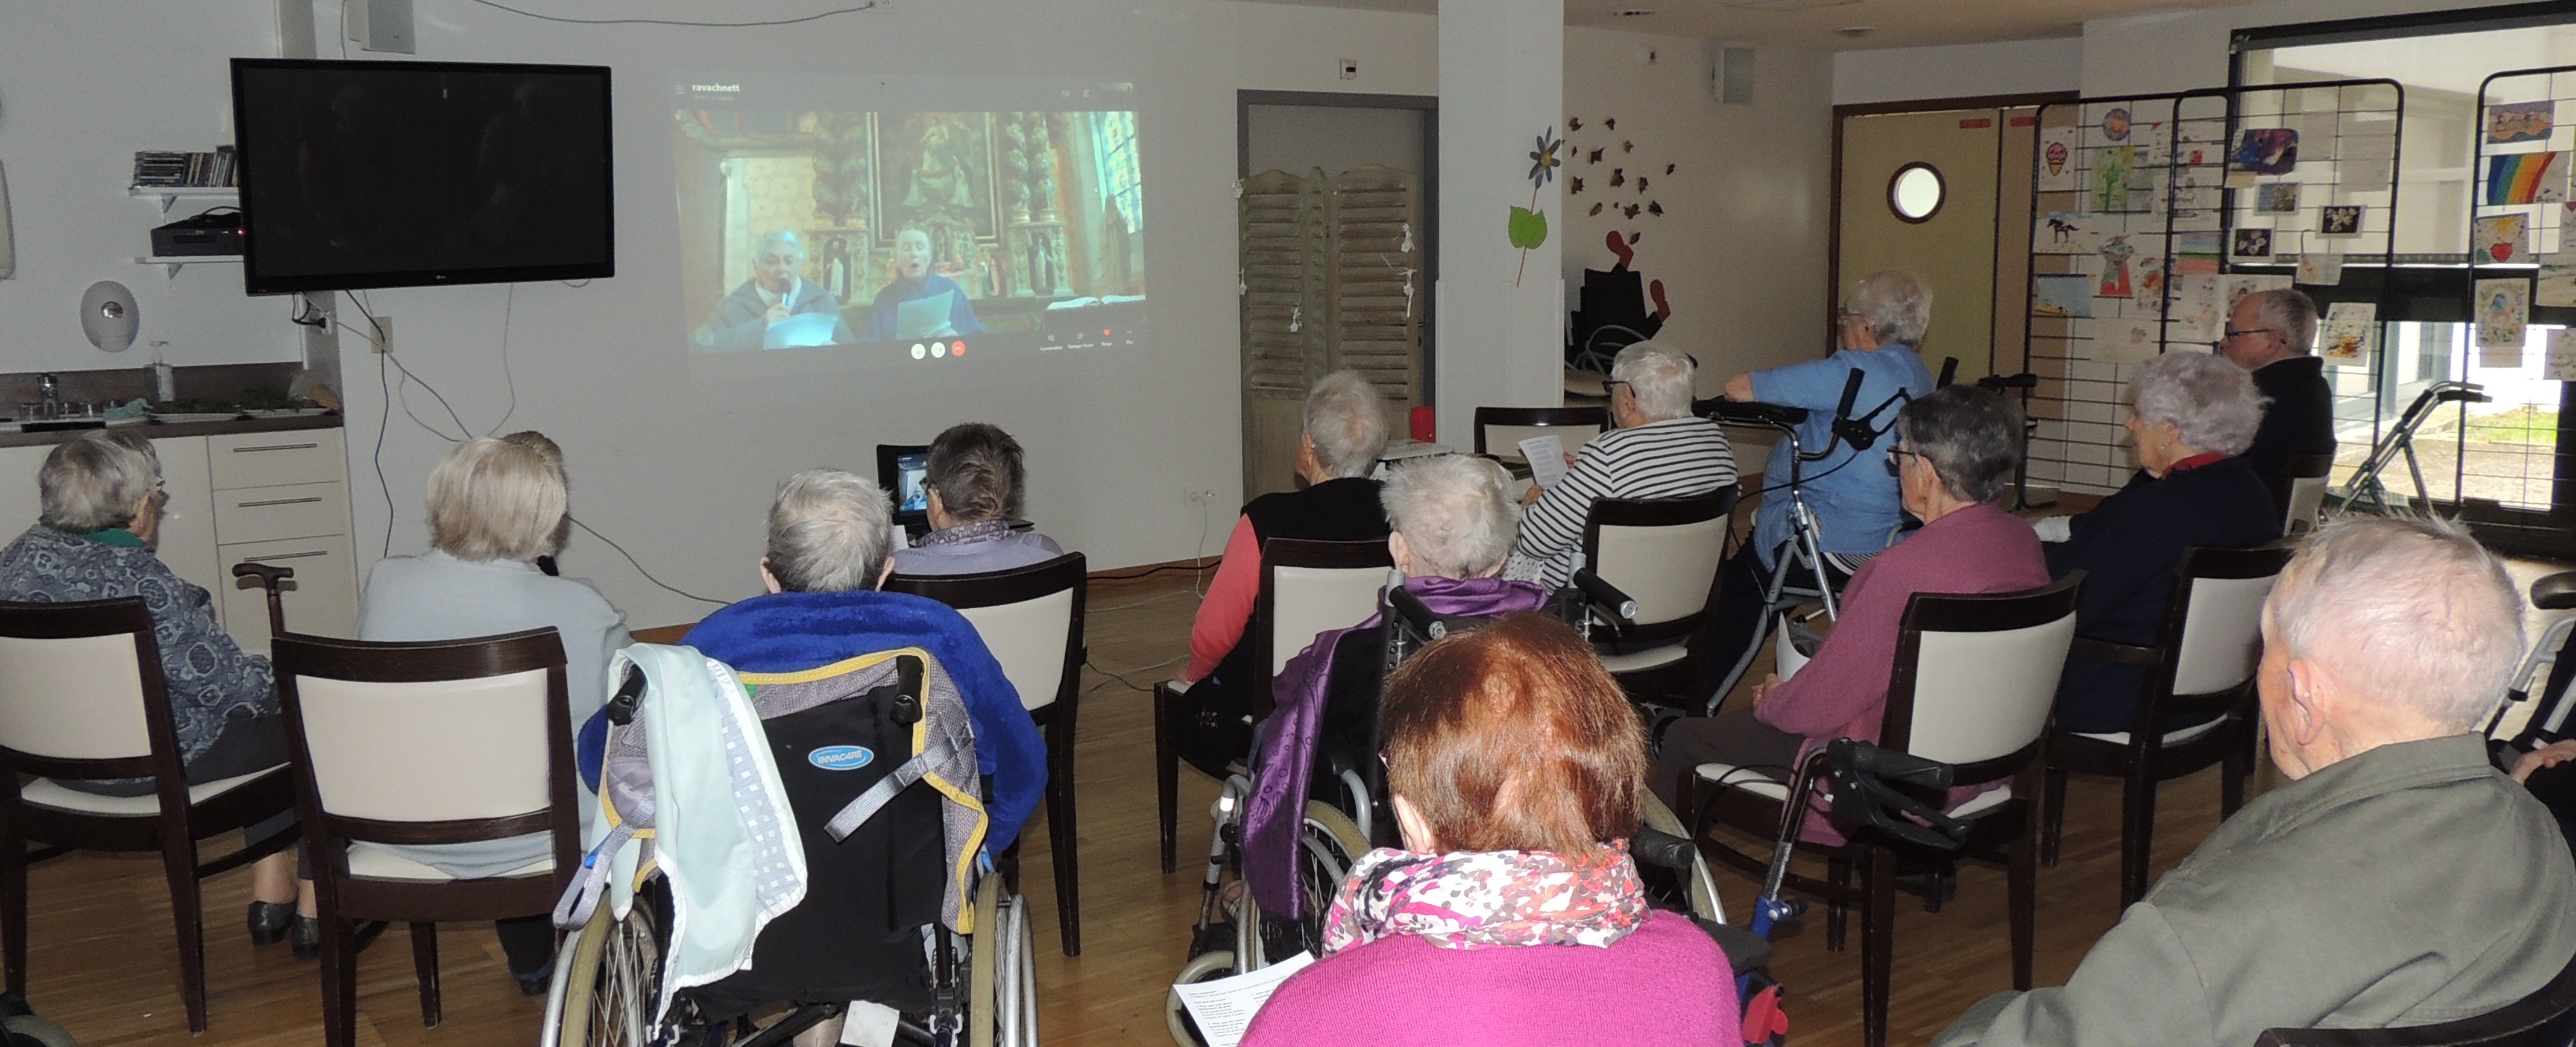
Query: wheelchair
1347	814
882	894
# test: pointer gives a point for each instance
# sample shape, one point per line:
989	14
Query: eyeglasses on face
2235	333
1893	469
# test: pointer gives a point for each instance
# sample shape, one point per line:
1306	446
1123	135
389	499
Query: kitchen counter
167	430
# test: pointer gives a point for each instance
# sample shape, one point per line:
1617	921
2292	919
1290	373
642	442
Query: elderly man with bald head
2397	880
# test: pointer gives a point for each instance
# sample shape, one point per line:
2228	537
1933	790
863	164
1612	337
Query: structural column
1501	302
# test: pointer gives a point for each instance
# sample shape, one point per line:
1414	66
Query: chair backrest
1976	675
2304	477
82	681
1309	587
1663	552
1500	430
451	740
2543	1019
1030	618
2213	634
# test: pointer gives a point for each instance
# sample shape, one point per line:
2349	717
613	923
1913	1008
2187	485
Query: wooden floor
103	963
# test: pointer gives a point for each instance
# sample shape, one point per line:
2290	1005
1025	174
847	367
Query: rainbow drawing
2525	178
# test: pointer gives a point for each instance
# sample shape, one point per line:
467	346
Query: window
1115	137
1916	193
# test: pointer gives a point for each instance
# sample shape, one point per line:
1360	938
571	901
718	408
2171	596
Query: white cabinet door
19	503
188	520
322	599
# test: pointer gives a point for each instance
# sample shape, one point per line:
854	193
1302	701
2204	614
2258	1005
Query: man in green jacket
2397	880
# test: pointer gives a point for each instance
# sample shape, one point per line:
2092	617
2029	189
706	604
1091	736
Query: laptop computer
900	468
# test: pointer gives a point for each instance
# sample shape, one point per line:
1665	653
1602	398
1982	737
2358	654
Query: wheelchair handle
630	692
1662	850
1861	757
1608	597
1416	615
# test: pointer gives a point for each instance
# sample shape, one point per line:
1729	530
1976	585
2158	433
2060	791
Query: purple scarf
1286	763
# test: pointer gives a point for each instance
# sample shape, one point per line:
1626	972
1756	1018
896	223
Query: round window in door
1917	192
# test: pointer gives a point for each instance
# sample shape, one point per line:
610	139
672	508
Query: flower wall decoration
1528	226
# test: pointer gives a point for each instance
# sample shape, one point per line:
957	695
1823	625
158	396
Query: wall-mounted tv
408	174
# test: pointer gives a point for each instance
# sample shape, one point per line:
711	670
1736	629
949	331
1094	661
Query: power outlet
382	330
1197	496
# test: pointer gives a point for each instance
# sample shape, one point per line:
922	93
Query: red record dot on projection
958	349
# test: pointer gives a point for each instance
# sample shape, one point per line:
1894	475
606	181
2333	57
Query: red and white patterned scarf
1474	899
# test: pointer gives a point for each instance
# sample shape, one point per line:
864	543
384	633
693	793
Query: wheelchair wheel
612	980
1207	967
983	965
1704	902
27	1030
1327	846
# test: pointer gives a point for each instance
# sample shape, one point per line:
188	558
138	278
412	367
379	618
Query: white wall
1958	71
2183	50
82	87
1741	248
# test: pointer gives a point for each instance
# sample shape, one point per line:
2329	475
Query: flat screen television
408	174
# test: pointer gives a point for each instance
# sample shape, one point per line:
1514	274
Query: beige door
1951	234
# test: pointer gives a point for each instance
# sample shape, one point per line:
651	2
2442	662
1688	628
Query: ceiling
1812	24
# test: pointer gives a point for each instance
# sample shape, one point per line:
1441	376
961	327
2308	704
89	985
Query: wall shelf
173	262
172	194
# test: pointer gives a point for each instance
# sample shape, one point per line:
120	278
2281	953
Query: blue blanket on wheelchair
789	632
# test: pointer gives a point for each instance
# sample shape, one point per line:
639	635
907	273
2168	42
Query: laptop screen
900	471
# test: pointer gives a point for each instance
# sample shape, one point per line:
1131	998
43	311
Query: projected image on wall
901	235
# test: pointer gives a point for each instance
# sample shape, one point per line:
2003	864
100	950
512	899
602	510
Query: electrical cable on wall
639	566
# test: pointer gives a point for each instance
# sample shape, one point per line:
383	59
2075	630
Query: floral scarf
1472	899
980	531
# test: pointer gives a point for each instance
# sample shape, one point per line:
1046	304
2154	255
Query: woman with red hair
1513	914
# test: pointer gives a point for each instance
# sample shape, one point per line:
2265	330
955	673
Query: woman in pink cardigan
1954	455
1513	914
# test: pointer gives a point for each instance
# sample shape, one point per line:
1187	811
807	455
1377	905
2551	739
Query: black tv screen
406	174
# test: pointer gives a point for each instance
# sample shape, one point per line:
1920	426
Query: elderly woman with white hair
1453	526
102	504
1344	435
1882	322
2192	416
774	293
496	506
1658	450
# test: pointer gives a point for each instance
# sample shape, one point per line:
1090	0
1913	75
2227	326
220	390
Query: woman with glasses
102	504
2191	417
1954	454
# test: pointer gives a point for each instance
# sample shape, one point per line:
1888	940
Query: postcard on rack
2124	342
2526	178
2503	311
2503	239
2339	220
2512	122
2561	365
2062	232
2320	269
2349	328
2060	169
2276	198
2556	287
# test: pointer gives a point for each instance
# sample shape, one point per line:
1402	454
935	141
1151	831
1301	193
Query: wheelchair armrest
1734	412
2122	653
1612	600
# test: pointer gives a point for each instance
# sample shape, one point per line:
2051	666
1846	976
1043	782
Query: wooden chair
1975	678
1500	430
438	742
2202	665
2303	477
1664	553
82	697
1031	619
1307	587
2543	1019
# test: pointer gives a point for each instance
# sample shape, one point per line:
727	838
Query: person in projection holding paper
776	308
911	306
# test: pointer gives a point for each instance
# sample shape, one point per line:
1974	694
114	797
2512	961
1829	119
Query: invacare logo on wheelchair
841	757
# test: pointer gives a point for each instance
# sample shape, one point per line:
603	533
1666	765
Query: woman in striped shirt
1659	450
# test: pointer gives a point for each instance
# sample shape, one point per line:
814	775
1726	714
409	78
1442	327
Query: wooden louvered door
1281	218
1372	285
1326	266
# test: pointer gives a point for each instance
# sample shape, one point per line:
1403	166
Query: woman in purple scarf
1453	527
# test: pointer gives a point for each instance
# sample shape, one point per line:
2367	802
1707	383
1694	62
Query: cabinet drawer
300	456
321	600
261	514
